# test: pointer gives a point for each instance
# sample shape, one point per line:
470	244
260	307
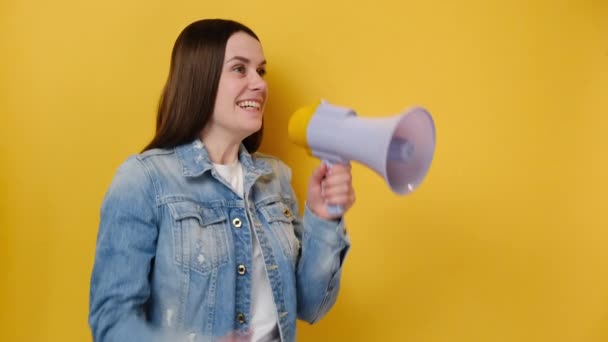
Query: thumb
319	173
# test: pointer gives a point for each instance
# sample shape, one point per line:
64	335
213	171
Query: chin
251	128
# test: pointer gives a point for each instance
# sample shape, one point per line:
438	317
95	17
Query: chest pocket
281	221
199	236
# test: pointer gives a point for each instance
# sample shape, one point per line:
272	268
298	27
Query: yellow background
506	239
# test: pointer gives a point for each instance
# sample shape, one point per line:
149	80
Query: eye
239	68
262	72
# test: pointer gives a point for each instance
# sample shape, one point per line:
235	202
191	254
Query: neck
221	150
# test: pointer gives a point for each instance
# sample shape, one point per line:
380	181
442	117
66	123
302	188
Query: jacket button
237	222
242	269
240	317
287	213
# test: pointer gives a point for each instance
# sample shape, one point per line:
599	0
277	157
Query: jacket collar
195	161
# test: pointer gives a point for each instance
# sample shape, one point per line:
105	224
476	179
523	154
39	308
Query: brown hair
187	101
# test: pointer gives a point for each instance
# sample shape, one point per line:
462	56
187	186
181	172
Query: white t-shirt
263	310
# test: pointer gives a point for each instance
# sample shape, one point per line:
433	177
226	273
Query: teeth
249	104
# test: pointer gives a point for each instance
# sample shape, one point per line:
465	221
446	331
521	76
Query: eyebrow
243	59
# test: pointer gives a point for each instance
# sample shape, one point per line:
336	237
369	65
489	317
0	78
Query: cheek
226	90
223	95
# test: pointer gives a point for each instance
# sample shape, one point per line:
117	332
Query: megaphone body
399	148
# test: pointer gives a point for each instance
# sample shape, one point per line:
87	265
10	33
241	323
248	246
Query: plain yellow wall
506	239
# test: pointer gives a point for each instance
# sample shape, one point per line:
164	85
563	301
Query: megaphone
399	148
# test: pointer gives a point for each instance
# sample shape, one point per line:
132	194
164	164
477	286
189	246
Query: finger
344	200
338	178
336	189
339	168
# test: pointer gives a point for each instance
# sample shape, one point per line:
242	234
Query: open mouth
250	104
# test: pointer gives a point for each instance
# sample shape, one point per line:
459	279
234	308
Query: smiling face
242	90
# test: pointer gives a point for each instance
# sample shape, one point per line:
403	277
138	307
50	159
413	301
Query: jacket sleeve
324	246
126	245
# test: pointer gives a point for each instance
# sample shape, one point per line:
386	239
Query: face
242	90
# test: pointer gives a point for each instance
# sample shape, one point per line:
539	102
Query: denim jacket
174	244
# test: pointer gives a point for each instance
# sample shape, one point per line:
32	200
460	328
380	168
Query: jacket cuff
332	232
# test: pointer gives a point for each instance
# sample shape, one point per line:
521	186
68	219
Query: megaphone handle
334	209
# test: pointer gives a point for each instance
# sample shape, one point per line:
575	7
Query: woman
200	237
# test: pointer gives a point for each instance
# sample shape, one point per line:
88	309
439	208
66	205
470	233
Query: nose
257	82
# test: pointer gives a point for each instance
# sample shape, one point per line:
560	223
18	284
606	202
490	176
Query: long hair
188	98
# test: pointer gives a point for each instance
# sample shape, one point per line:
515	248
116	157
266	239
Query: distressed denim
174	237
